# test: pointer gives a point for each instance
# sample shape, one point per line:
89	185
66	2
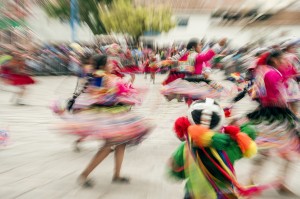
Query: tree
124	17
88	12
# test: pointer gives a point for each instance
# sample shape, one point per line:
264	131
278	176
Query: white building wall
201	26
51	30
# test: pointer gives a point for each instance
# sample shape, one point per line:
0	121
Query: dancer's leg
153	77
20	94
76	143
98	158
119	156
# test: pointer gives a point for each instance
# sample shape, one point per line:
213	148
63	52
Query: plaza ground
40	162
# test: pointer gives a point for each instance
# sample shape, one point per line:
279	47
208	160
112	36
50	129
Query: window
182	21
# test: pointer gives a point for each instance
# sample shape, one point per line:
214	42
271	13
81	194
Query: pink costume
198	60
201	60
274	87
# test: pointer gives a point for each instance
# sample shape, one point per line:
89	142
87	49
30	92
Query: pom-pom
232	131
220	141
249	130
227	112
251	151
246	144
181	127
200	135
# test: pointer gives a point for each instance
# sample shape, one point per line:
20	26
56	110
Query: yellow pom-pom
251	150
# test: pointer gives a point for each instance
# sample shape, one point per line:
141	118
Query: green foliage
124	17
88	12
120	16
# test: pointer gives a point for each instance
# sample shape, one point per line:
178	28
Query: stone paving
40	163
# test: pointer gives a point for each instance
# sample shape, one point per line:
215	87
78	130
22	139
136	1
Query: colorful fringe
218	182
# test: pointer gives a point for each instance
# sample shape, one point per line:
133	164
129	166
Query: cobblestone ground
41	163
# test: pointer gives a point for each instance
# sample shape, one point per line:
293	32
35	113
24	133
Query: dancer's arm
178	55
209	54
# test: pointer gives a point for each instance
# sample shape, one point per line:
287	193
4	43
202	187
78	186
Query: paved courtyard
40	163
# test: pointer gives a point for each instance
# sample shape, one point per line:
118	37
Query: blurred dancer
130	64
153	65
12	73
216	87
192	61
114	59
146	68
206	157
101	111
278	126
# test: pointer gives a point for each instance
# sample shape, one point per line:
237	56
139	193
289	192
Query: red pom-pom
227	112
181	126
232	131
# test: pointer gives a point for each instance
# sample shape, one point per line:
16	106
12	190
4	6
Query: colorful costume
130	63
194	88
153	65
14	78
146	67
114	59
11	76
103	112
278	126
207	156
190	63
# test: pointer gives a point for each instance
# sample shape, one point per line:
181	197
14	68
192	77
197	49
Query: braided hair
70	103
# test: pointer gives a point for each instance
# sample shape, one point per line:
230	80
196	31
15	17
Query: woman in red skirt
12	73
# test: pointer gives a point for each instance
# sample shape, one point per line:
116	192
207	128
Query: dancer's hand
205	75
222	42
